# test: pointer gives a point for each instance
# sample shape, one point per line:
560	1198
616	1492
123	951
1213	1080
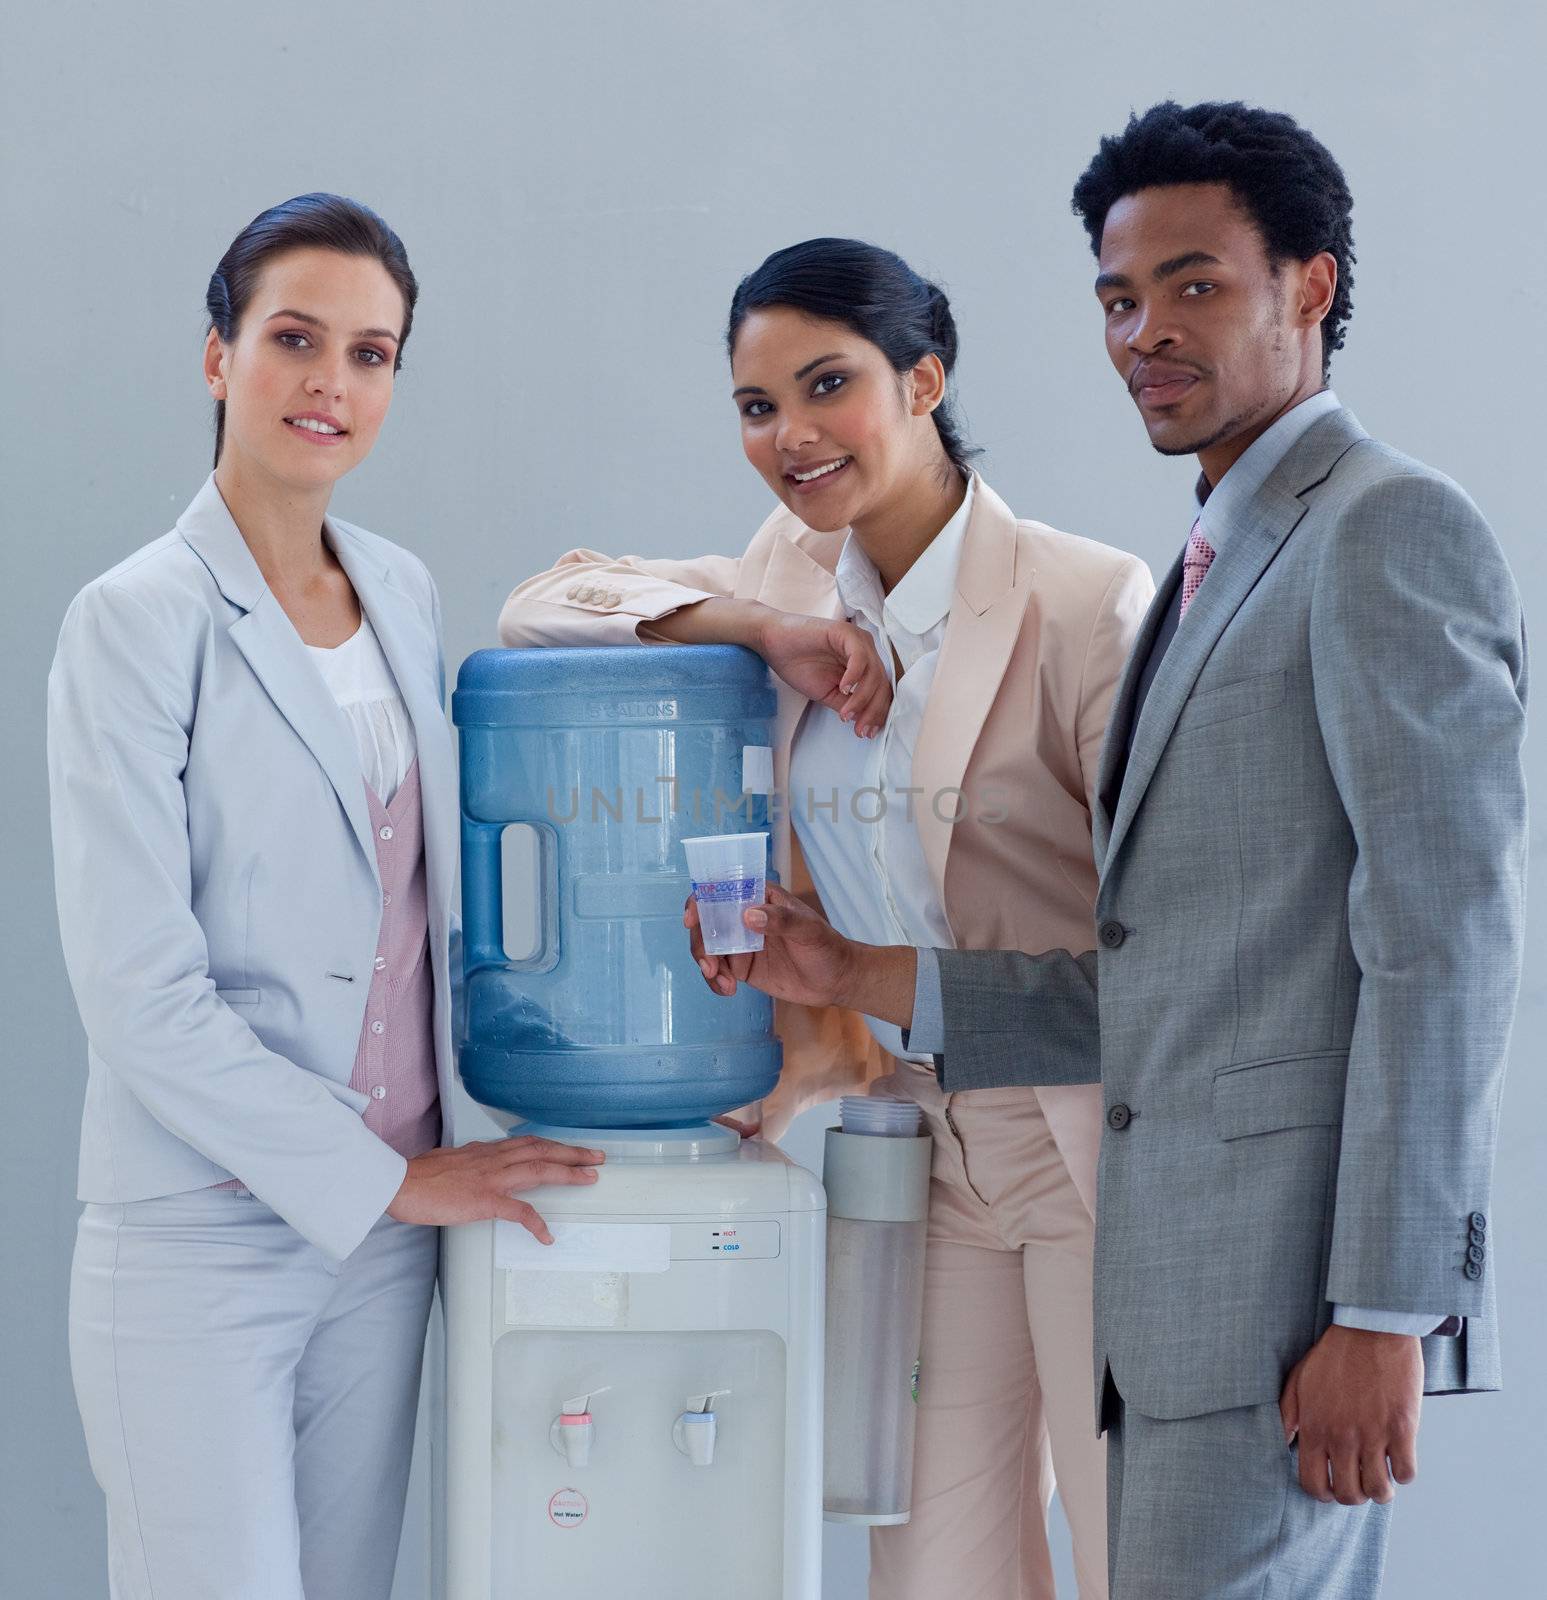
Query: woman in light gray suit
254	816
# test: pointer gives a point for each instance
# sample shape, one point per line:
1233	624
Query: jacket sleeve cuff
356	1203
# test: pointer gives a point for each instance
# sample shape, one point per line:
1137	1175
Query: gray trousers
1211	1508
248	1402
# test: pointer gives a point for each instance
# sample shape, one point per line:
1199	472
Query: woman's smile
320	427
808	480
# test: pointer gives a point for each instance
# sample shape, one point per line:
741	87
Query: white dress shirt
853	801
361	682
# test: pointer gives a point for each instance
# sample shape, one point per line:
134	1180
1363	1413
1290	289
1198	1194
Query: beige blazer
1039	629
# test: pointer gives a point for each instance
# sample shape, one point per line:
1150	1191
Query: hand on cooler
480	1180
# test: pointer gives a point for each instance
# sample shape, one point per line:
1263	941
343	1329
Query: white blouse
361	682
853	802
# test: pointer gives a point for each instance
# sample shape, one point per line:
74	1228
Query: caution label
568	1509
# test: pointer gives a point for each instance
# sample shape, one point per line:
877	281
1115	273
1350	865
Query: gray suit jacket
219	899
1308	940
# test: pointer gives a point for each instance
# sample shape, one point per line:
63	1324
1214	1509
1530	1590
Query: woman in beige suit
944	673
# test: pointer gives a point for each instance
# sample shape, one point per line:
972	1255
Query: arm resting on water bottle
587	598
592	599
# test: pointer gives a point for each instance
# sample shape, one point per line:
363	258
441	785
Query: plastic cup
729	873
879	1117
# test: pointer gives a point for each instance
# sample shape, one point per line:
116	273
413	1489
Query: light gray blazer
1308	940
219	900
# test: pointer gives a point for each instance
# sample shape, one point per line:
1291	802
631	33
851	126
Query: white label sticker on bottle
568	1509
757	769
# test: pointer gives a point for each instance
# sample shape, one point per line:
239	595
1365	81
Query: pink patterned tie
1195	565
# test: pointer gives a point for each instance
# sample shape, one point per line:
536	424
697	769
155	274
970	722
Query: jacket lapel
411	652
1114	746
274	651
1269	519
993	587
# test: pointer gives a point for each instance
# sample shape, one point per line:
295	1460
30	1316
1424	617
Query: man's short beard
1227	430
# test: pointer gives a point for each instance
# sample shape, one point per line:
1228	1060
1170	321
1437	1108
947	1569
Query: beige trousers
1004	1400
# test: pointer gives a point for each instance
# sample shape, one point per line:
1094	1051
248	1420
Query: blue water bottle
612	756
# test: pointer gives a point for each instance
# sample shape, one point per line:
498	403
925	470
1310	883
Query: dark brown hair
309	221
872	292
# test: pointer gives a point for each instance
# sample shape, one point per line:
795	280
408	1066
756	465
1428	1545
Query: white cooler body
672	1289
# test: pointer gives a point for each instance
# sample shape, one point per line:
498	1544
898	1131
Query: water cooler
636	1409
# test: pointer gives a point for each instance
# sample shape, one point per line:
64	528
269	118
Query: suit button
1477	1236
1475	1252
1119	1117
1473	1270
1112	934
1478	1221
613	599
574	593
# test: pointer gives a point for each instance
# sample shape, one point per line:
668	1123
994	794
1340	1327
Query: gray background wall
580	187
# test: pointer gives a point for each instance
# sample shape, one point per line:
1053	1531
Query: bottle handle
483	910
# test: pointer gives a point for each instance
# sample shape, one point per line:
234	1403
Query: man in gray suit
1311	836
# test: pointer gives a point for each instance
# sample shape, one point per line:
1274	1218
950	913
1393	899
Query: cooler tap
694	1431
570	1431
